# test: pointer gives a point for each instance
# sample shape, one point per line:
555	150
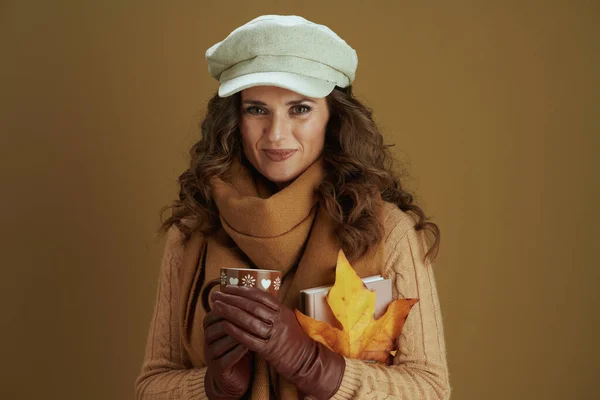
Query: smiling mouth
279	155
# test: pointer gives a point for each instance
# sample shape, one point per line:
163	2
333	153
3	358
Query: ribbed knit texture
419	370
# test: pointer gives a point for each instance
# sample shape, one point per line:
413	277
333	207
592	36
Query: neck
281	185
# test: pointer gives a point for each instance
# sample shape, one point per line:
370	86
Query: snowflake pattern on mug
248	281
277	283
223	278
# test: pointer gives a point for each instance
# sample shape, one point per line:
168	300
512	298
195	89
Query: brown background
493	107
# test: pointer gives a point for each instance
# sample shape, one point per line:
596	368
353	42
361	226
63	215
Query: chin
280	177
279	173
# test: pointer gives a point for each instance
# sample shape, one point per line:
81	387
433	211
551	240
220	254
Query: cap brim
304	85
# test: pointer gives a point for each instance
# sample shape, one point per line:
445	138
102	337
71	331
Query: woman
290	169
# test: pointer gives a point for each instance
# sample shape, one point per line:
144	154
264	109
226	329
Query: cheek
313	134
250	134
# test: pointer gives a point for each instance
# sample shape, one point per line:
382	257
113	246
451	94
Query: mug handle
206	293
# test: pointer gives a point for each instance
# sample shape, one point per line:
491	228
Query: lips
279	155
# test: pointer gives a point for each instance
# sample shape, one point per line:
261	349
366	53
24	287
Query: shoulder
177	244
395	223
176	239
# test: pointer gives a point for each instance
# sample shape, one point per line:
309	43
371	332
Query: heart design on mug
233	281
266	283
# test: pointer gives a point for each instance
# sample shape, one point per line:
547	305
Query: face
283	132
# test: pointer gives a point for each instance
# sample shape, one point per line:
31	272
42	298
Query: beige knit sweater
419	370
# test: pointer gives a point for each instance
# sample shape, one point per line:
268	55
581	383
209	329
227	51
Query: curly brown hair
357	162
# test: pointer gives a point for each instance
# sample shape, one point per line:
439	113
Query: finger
214	332
250	306
210	318
232	357
253	294
243	319
248	340
221	346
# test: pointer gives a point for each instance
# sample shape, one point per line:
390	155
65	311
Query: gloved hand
265	326
229	362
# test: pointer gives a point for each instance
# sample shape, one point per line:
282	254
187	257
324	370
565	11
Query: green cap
286	51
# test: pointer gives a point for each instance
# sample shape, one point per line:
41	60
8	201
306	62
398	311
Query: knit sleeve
166	372
419	370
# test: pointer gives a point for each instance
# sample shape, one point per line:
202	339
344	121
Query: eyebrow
289	103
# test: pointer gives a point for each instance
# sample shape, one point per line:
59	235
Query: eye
301	109
254	110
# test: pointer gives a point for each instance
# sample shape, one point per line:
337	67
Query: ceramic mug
267	280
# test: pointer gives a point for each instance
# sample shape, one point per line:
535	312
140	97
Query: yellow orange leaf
353	305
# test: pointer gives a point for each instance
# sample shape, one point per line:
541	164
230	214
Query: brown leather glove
264	325
229	362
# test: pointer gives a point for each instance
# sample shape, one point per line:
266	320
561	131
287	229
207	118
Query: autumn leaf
362	336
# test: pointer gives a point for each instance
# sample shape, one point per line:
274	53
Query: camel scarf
286	231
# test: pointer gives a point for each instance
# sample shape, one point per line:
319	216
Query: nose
278	129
